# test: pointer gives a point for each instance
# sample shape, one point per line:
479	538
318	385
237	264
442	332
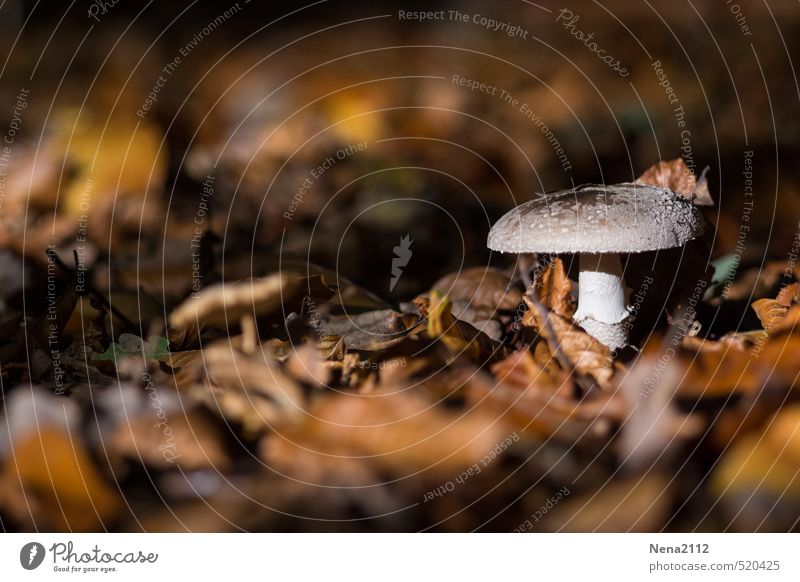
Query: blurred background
159	148
264	95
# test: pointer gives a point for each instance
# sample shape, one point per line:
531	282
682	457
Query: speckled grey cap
594	218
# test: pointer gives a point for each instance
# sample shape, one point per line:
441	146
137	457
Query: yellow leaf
55	470
124	158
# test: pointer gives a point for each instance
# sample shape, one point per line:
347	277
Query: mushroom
600	222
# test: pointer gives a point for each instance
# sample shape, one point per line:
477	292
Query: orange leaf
522	370
789	294
54	469
548	415
396	431
459	337
758	474
769	312
586	354
555	289
677	176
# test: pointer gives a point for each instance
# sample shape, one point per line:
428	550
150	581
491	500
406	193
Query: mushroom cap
597	218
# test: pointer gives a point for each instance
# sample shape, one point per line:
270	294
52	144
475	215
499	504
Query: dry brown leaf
789	323
672	174
371	331
459	337
251	389
400	432
736	341
225	303
555	289
713	372
442	325
546	415
585	353
178	360
677	176
788	295
711	369
522	370
186	440
483	290
482	296
769	312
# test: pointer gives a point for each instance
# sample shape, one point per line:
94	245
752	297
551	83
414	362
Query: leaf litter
285	389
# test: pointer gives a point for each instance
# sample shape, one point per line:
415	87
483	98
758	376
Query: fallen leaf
709	369
640	503
788	295
484	290
789	323
251	389
539	413
757	478
225	303
587	355
555	289
677	176
185	440
769	312
63	488
370	331
522	370
458	336
400	432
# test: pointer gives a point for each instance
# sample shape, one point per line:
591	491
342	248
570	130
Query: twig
90	289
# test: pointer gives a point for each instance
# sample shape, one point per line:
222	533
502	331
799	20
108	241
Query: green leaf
155	348
724	267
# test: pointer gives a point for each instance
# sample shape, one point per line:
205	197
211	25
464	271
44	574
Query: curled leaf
555	289
485	291
459	337
251	389
677	176
769	312
587	355
225	303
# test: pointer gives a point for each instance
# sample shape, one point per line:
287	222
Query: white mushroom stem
602	302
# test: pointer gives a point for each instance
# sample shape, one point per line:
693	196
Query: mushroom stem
602	304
